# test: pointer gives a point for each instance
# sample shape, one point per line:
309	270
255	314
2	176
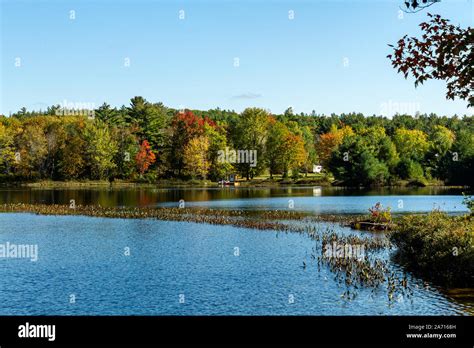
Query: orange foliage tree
328	142
145	157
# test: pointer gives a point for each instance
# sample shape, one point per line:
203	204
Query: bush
468	202
409	169
295	174
417	183
379	214
437	246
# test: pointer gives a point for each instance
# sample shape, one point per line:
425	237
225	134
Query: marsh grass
262	220
437	246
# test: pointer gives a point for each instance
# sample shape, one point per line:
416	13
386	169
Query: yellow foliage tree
195	157
411	144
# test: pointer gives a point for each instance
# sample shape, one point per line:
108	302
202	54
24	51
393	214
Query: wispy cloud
248	95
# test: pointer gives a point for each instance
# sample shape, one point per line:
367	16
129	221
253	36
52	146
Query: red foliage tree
145	157
190	124
186	126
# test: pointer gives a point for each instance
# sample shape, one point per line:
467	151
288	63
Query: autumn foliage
328	142
444	52
192	125
145	157
354	150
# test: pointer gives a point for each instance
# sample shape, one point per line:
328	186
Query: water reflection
414	199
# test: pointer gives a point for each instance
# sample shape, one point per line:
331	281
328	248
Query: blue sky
329	58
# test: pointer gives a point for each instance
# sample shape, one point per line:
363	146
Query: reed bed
365	271
257	220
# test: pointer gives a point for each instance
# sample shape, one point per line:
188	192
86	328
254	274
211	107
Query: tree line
149	141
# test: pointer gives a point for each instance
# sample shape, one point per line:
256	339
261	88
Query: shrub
409	169
438	246
468	202
379	214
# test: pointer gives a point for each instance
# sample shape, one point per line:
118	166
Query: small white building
317	168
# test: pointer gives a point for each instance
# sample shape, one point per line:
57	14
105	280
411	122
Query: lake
98	266
317	199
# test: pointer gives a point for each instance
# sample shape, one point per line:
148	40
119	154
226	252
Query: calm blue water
339	204
85	256
317	199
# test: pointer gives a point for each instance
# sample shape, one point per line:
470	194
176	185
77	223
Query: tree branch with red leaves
444	52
